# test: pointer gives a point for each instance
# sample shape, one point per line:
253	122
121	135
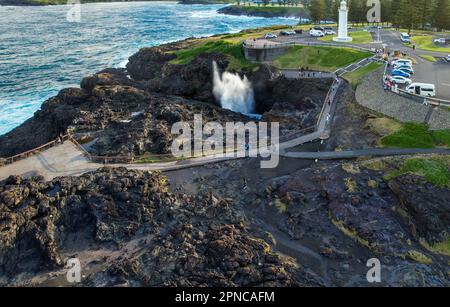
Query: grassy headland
359	37
415	135
425	42
355	77
319	57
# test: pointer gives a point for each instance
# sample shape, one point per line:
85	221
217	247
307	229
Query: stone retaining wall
264	55
370	94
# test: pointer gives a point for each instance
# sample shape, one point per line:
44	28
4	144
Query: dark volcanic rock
53	118
342	217
241	10
120	112
161	238
193	80
427	206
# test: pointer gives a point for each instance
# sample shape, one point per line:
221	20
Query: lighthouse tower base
342	39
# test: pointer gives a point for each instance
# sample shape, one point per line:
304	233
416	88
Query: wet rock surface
332	220
138	234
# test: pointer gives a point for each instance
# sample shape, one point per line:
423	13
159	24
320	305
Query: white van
422	89
404	37
316	33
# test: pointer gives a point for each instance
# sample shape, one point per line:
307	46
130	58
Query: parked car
402	64
397	72
440	40
422	89
406	69
400	80
299	31
270	35
316	33
329	32
447	58
288	33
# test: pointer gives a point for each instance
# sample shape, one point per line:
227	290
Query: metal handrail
28	153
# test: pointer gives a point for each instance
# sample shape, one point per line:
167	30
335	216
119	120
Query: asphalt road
437	73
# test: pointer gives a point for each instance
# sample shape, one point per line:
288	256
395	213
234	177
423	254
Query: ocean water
41	52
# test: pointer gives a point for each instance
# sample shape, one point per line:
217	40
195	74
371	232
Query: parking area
437	73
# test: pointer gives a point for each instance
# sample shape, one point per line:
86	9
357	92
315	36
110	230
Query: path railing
31	152
126	159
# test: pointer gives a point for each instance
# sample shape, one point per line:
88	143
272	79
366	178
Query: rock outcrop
128	112
138	233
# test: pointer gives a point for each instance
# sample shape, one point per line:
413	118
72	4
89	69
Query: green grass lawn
355	77
415	135
232	50
425	42
435	170
427	57
359	37
319	58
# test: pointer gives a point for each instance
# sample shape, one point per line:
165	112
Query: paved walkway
68	160
61	160
370	152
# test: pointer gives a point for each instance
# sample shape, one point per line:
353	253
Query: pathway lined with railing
70	158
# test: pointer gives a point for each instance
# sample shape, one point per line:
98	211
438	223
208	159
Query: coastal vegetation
232	50
319	57
427	57
417	135
425	42
419	14
355	77
435	170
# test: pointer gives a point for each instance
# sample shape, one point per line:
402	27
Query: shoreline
64	2
265	11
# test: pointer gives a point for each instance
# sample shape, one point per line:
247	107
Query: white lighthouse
342	29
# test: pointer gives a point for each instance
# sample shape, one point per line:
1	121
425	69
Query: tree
386	10
424	12
335	10
441	15
408	16
317	10
356	11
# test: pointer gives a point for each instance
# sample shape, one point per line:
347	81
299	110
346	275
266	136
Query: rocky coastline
304	223
129	112
261	11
